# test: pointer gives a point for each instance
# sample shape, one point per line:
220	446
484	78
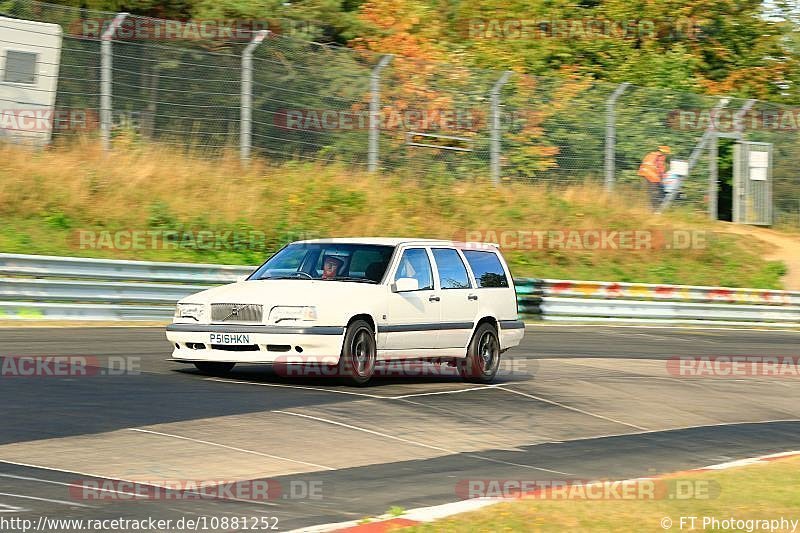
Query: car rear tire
359	353
214	368
483	356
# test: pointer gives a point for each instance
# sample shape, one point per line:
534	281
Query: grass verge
50	199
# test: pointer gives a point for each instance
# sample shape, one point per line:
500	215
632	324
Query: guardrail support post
373	148
611	134
106	108
246	116
496	132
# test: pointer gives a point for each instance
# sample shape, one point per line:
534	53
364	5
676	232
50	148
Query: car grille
237	313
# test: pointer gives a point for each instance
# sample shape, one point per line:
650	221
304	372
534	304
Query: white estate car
351	302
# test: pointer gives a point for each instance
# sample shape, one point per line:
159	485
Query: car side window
452	272
488	270
415	264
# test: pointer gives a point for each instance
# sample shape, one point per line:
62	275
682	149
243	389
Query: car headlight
193	311
292	313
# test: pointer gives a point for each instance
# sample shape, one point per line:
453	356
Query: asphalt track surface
572	403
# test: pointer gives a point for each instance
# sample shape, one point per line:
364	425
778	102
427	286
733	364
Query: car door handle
433	299
472	297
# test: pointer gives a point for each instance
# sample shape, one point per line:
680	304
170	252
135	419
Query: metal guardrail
655	292
76	288
103	269
66	288
598	301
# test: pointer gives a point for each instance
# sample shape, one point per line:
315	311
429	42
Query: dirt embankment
786	248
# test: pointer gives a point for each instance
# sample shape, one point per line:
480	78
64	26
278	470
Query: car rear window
487	268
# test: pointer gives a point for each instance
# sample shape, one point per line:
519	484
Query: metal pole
496	132
106	108
696	153
245	125
706	138
738	118
611	134
374	113
713	176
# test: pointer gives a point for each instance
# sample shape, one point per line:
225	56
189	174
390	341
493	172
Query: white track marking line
62	502
284	386
436	393
350	393
252	452
412	442
665	430
50	481
552	402
5	508
499	461
143	483
365	430
695	381
631	374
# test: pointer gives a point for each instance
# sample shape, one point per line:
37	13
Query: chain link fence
266	88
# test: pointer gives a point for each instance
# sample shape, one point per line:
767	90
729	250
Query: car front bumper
255	343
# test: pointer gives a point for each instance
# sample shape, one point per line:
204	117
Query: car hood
282	292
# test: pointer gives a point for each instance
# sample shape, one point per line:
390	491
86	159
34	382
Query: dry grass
48	195
82	183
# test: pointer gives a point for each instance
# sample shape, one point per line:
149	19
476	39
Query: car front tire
483	356
214	368
359	354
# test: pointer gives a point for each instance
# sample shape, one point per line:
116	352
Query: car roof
396	241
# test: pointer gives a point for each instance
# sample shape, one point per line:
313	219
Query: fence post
246	111
374	113
696	153
106	108
611	134
496	132
713	176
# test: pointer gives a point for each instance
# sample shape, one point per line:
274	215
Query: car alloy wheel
359	353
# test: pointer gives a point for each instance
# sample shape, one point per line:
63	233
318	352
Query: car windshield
365	263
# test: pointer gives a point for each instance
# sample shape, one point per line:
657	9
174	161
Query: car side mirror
405	285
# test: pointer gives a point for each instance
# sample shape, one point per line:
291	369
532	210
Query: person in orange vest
653	169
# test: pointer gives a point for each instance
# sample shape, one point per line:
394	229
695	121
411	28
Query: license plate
231	339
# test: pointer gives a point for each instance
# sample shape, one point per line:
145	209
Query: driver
331	266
